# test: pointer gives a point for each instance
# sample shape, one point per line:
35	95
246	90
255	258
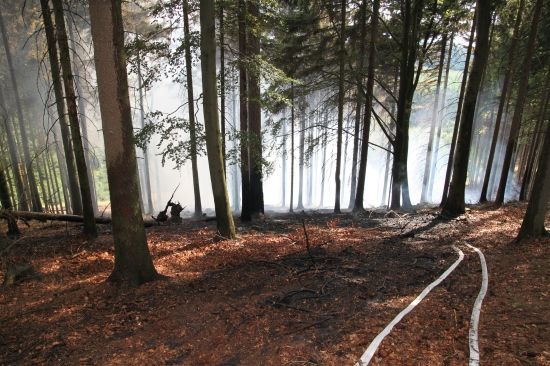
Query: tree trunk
14	159
341	91
404	104
455	205
133	263
292	147
359	102
222	79
246	213
425	196
520	103
300	205
533	221
284	156
358	206
5	201
324	168
83	121
255	118
146	169
191	109
74	189
458	112
440	126
224	217
502	101
35	197
68	81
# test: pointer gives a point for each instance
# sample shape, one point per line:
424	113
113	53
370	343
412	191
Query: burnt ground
264	299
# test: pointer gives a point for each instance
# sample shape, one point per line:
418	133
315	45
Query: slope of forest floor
265	299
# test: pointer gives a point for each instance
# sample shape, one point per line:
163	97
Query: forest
274	182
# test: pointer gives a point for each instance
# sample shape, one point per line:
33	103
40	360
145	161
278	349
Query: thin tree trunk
341	76
502	101
74	190
440	126
359	102
455	205
324	168
83	121
246	214
222	79
224	217
425	196
283	164
133	263
255	118
35	197
520	103
68	81
191	109
300	205
533	221
458	115
14	159
292	147
358	206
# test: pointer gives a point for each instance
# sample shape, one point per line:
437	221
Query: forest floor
264	300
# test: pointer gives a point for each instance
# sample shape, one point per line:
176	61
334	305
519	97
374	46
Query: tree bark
455	205
358	206
68	82
291	147
224	217
520	103
35	197
246	213
133	263
222	79
74	189
191	109
452	149
341	91
14	159
425	196
502	101
254	118
359	102
533	221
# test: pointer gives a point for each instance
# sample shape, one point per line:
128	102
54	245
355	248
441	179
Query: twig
307	241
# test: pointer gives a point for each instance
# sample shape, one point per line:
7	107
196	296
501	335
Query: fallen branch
42	216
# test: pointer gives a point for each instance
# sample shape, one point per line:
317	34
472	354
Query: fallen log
44	216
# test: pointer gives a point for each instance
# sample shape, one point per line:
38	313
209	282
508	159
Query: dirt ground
264	299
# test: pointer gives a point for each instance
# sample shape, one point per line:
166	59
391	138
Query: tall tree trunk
358	206
444	114
5	201
246	214
359	102
35	197
341	91
533	221
74	189
133	263
413	16
458	112
455	205
68	81
535	141
222	79
14	158
191	109
520	103
224	217
292	147
83	121
425	196
502	101
255	118
283	164
309	197
146	169
300	205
